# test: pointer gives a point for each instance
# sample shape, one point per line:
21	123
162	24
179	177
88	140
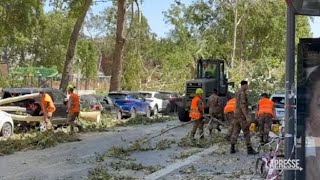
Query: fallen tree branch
162	132
13	109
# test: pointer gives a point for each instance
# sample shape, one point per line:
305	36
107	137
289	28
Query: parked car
132	103
158	102
110	107
6	124
91	102
173	98
33	105
279	101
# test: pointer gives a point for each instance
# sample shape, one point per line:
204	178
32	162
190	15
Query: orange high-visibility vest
230	106
76	103
265	106
45	100
194	110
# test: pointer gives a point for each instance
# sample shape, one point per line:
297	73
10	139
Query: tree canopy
248	34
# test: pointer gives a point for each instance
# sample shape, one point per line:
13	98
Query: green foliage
87	58
205	28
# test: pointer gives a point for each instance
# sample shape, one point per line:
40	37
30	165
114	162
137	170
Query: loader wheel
183	115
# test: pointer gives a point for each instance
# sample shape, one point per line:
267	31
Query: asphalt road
74	160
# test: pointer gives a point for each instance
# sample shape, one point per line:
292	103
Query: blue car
132	103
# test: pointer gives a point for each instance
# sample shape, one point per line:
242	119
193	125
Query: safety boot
251	151
232	149
80	128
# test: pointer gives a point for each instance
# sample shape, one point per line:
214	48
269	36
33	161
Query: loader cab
213	69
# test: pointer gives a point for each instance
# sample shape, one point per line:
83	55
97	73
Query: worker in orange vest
73	108
266	113
196	113
229	115
48	108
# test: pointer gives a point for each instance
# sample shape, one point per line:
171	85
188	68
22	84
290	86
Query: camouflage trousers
240	123
265	123
229	120
212	125
198	124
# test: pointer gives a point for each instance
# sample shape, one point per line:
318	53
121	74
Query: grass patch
36	140
134	166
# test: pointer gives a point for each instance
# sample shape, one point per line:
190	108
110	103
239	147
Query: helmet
199	91
70	87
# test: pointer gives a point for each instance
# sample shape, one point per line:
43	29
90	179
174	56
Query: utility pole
290	86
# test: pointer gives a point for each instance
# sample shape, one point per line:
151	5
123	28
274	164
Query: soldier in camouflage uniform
241	119
215	110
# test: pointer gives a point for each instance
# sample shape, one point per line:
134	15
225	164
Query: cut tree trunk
67	70
26	118
116	75
94	116
18	98
13	109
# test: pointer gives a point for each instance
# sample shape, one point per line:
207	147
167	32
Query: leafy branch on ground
201	143
37	140
108	122
185	154
188	170
101	173
134	166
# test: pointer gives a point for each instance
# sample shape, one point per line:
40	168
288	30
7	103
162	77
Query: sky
153	11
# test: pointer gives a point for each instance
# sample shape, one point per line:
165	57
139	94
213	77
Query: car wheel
155	110
6	130
119	115
183	115
133	112
148	112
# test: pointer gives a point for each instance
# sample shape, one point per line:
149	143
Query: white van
279	101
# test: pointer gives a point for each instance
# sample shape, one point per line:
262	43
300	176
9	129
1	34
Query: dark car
132	103
91	102
173	98
33	105
110	107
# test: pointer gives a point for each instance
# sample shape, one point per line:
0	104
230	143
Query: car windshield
89	99
117	96
279	101
169	95
146	95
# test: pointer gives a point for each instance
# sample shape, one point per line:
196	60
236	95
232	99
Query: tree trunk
116	74
234	35
67	70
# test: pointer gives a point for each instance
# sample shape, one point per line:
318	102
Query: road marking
163	172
